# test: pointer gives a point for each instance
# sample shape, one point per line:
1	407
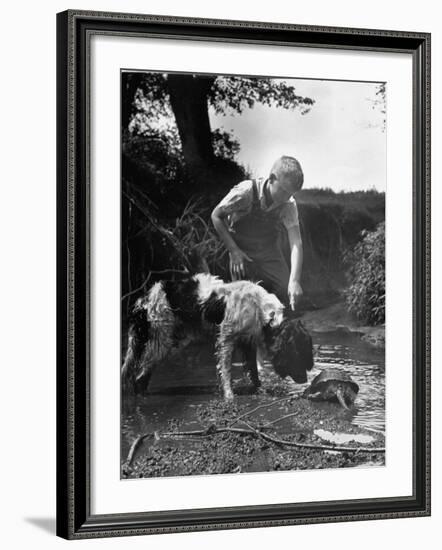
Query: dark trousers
270	268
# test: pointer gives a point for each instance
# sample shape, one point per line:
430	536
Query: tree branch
212	430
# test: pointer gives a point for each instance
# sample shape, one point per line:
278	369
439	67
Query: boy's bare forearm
224	233
296	253
297	257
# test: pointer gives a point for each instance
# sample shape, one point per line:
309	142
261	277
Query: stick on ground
212	430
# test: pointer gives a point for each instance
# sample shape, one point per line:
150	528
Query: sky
339	143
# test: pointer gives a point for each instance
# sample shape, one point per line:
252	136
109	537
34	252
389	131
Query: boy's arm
237	256
219	222
296	257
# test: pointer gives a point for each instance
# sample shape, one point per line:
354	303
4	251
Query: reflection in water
181	384
365	364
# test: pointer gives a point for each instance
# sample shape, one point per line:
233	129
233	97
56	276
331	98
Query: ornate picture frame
75	518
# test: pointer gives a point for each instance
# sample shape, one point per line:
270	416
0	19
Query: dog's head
291	349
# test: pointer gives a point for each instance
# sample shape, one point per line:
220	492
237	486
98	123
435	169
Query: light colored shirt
239	201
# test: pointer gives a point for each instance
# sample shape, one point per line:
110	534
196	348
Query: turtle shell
332	375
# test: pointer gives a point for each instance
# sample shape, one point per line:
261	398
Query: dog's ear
305	346
272	309
291	349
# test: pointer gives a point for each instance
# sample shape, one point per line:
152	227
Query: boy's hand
294	291
237	258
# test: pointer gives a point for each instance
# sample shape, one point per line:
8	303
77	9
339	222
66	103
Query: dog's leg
157	349
249	350
143	378
262	355
149	361
224	352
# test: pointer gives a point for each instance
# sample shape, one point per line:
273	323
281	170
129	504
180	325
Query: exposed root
256	432
247	413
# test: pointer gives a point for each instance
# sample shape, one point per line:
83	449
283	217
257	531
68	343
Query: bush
193	235
365	296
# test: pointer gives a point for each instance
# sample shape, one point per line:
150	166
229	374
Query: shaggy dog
241	313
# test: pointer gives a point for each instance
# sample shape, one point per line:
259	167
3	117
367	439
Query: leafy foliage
234	94
193	235
380	103
224	144
157	154
165	248
149	109
226	94
366	293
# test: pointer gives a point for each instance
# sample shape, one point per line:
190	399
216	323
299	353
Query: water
364	363
178	386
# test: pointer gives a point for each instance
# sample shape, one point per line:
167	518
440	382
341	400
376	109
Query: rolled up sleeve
238	199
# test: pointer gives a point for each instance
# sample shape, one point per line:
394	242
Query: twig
144	283
322	447
374	430
253	429
136	443
280	418
260	407
129	282
133	188
161	272
212	430
158	228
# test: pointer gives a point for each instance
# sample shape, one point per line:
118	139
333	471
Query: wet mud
184	397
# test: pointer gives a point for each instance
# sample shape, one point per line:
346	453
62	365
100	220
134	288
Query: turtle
331	385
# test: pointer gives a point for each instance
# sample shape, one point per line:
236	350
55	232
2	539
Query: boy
249	220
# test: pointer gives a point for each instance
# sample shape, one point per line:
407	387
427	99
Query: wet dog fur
238	314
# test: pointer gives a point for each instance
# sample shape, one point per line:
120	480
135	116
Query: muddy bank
291	419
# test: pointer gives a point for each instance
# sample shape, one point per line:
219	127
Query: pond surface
180	385
365	364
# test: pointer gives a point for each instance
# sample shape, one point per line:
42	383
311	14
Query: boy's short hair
290	166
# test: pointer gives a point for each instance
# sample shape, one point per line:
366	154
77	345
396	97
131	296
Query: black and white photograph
218	222
252	274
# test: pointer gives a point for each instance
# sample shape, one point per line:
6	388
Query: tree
379	103
187	97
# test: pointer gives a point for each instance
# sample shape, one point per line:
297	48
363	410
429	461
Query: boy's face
283	187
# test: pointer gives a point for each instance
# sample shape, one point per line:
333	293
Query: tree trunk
188	97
